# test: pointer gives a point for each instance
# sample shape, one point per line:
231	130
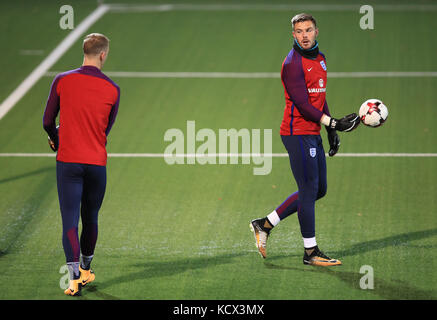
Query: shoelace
322	255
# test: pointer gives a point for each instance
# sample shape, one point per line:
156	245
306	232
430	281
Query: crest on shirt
312	152
321	83
322	63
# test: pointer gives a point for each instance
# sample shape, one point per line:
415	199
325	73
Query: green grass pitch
181	232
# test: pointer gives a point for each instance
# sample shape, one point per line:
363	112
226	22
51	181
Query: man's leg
304	165
312	253
285	209
92	198
308	164
291	204
262	227
70	186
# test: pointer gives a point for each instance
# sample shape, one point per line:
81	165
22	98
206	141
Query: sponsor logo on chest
317	85
320	89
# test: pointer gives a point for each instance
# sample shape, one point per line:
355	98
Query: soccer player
304	78
87	103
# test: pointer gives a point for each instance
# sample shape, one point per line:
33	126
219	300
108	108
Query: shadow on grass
392	290
28	174
391	241
29	206
93	288
161	269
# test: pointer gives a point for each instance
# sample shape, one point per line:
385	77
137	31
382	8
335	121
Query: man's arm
326	117
113	114
326	109
347	123
294	82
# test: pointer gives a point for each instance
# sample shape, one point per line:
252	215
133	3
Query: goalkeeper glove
334	141
347	123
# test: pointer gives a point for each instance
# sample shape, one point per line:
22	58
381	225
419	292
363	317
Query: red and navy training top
87	101
304	82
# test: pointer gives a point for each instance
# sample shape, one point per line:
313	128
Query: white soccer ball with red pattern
373	113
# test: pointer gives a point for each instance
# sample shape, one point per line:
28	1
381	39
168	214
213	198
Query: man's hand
54	144
334	141
347	123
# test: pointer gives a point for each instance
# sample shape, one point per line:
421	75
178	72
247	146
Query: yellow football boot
261	231
87	276
318	258
75	287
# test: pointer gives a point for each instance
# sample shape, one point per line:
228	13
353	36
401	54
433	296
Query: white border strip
50	60
242	155
253	75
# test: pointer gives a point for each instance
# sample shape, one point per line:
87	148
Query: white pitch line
255	75
27	155
382	74
125	8
202	75
396	155
242	155
50	60
31	52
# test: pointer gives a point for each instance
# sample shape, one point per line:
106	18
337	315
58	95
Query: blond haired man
87	103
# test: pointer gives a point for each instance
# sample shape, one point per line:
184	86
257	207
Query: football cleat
75	287
318	258
261	230
86	276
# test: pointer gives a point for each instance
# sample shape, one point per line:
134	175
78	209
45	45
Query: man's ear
317	32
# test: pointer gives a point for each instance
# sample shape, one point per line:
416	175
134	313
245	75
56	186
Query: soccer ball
373	113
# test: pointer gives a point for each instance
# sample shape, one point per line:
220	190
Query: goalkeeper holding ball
304	78
87	101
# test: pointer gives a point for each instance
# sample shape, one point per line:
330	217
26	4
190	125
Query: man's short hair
95	43
301	17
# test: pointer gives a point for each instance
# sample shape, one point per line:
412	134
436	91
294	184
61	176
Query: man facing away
304	79
87	102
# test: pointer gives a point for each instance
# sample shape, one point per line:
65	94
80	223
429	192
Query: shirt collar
308	53
90	68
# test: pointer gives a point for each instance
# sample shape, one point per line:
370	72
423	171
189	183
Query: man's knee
309	192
